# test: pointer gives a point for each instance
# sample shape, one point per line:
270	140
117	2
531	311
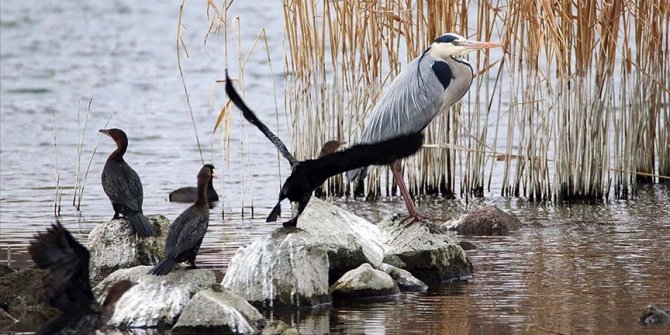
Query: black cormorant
123	186
190	194
187	231
67	284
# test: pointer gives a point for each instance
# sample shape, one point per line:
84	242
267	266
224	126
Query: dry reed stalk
570	118
90	161
59	191
582	95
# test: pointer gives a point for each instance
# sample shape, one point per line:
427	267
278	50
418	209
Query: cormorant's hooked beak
477	45
104	131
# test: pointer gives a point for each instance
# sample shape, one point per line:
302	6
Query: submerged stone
485	221
404	279
279	327
155	301
364	281
113	245
467	245
285	268
218	310
655	314
348	239
422	250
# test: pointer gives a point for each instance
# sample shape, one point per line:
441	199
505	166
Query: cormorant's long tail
253	119
164	267
140	225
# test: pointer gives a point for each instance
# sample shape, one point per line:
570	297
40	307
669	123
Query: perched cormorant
123	186
187	231
67	284
307	175
190	194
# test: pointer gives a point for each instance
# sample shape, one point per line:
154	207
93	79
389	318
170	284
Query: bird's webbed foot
191	265
291	223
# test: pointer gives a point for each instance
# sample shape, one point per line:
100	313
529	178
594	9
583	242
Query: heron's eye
457	43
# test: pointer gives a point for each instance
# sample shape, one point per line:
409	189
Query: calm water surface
584	268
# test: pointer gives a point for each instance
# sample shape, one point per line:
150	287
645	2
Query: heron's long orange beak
481	45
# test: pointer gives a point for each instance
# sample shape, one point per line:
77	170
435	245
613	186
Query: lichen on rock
113	245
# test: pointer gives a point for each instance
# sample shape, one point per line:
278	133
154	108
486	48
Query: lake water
581	268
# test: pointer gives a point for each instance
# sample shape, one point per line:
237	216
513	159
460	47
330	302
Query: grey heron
437	79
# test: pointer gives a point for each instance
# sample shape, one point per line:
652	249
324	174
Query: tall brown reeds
579	101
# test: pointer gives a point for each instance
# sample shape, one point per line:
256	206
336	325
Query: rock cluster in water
294	267
332	254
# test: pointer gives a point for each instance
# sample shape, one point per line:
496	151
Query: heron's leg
396	168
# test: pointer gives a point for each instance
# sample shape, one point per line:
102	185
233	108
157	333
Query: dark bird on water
190	194
67	285
309	174
187	231
123	186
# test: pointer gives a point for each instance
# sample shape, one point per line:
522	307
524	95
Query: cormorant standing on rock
190	194
123	186
187	231
309	174
67	284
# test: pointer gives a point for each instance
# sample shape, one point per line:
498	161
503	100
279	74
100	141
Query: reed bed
578	106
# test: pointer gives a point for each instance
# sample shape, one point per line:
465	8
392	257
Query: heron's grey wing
67	263
253	119
409	104
384	152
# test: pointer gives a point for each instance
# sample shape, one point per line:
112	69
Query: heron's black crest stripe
442	72
447	38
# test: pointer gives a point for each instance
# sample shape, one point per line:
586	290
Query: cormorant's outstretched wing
381	153
251	117
67	262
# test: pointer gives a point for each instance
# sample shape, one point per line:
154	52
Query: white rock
283	268
349	239
364	281
155	301
425	252
113	245
219	310
403	278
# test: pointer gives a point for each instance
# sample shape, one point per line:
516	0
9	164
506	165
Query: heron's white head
454	45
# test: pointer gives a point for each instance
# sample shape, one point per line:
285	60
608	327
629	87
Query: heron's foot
417	217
